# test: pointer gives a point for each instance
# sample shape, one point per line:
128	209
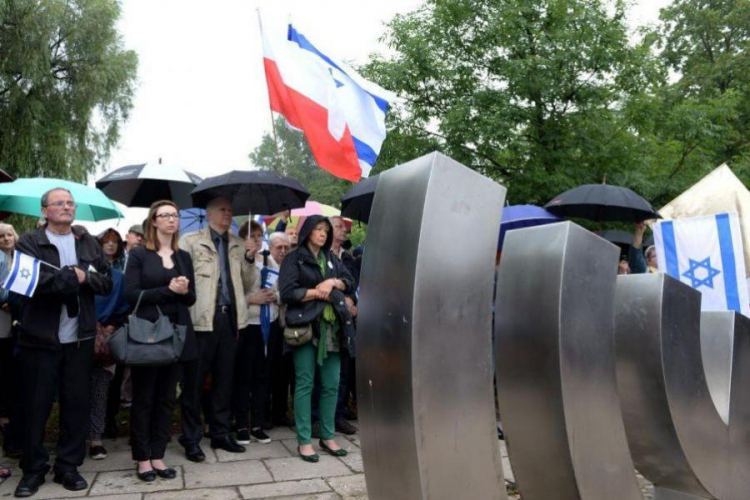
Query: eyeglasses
168	216
60	204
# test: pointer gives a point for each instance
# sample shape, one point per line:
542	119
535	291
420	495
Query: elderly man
222	263
58	326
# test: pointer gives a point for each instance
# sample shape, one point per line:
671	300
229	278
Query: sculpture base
664	494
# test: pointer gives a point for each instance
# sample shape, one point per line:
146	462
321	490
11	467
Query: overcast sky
201	101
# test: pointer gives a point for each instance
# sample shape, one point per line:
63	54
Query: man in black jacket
57	330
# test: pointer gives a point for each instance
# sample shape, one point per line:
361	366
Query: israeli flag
24	275
706	253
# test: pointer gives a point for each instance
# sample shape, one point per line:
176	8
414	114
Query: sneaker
260	436
243	436
344	427
97	453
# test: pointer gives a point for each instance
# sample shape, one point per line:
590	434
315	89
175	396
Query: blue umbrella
194	219
518	216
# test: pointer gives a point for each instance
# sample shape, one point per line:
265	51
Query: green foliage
295	160
529	93
66	85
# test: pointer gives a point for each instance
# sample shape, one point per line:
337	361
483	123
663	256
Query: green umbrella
23	196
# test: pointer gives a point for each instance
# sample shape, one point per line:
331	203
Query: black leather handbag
140	342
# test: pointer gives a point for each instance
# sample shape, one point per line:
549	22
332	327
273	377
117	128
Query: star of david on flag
24	275
706	253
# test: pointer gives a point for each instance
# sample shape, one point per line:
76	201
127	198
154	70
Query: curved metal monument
554	334
688	429
424	372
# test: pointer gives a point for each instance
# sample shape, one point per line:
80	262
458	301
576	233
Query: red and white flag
341	114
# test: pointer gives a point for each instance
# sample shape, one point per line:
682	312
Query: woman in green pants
313	283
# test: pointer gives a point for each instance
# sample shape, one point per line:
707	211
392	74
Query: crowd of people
239	310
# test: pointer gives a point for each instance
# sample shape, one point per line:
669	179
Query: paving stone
255	451
287	469
349	487
284	489
127	496
354	461
320	496
507	469
48	490
199	494
226	474
110	483
116	460
355	439
279	433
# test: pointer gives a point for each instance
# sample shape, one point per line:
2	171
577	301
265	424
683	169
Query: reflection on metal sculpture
687	428
554	335
424	377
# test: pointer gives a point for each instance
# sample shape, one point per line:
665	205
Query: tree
66	85
531	93
294	159
702	119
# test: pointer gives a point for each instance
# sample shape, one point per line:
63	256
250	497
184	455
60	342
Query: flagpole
273	123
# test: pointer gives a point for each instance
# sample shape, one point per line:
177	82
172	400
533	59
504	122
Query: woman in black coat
159	274
311	282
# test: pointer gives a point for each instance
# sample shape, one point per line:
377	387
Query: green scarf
327	322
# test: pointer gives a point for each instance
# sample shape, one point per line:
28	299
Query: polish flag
341	114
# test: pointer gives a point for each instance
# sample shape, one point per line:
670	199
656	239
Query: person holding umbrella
56	340
222	262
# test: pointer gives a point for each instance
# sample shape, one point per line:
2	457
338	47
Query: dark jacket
144	274
300	271
40	314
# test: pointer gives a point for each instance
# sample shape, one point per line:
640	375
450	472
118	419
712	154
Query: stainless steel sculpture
688	429
554	334
424	372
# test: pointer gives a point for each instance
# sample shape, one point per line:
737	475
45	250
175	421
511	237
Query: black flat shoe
166	473
29	485
336	453
71	480
313	459
148	476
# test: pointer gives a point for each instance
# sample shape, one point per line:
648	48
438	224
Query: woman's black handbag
140	342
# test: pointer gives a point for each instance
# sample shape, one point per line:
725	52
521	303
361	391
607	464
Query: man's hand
81	275
261	297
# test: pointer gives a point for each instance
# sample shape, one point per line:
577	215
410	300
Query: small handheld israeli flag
706	253
24	275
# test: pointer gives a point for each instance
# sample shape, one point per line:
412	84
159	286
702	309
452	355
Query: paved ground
265	471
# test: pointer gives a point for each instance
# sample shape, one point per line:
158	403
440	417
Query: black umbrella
141	185
252	192
602	202
357	202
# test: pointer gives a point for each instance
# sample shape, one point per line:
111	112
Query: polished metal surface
557	392
676	369
424	372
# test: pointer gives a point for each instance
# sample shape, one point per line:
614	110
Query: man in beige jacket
222	263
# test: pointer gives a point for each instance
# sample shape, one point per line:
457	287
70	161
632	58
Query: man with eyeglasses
222	263
56	340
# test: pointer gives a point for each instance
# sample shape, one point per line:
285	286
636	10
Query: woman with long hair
160	275
312	282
